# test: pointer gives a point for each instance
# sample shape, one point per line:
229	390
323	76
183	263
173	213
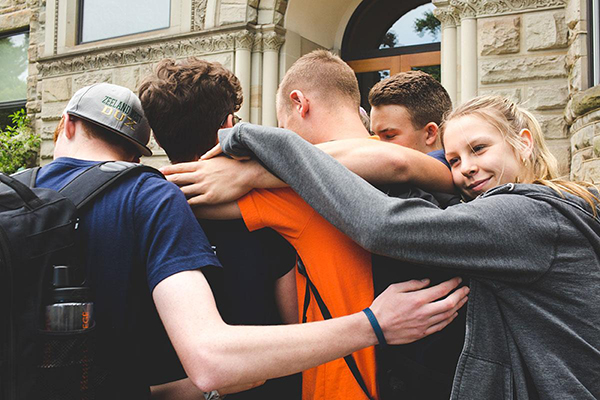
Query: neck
339	124
87	148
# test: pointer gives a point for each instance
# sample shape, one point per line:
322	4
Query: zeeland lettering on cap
114	107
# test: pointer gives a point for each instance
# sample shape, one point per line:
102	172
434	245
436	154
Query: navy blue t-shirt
134	235
439	155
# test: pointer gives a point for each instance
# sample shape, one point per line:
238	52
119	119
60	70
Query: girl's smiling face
479	155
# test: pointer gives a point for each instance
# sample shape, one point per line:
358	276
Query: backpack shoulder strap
87	185
310	287
27	177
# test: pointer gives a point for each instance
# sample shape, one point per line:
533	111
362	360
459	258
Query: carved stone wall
220	34
583	111
583	114
22	14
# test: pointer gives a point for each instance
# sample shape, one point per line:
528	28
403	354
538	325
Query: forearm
183	389
287	298
250	353
218	211
382	163
463	238
217	355
260	178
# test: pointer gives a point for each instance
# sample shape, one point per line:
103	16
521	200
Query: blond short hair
322	73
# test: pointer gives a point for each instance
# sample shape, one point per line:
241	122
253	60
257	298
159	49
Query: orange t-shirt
338	267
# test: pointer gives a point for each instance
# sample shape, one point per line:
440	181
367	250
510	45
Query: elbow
207	376
206	368
400	168
369	237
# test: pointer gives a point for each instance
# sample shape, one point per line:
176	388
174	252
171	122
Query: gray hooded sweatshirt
533	317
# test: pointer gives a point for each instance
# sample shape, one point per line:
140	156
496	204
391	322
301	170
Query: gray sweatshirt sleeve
487	237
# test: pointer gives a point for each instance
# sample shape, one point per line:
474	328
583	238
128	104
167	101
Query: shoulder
440	156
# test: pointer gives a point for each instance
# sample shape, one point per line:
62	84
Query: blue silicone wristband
376	327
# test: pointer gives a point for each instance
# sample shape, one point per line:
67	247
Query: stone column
255	97
272	42
468	57
449	51
243	46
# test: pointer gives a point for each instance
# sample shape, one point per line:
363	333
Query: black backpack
38	228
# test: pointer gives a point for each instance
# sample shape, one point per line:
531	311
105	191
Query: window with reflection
105	19
13	74
594	42
418	26
385	37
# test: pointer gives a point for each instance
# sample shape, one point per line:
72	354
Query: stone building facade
533	51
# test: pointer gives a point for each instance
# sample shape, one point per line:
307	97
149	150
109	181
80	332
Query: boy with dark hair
408	109
198	96
186	103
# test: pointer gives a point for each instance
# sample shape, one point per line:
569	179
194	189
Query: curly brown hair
186	102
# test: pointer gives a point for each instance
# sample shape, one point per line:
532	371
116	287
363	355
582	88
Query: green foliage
389	41
13	67
19	145
429	23
433	70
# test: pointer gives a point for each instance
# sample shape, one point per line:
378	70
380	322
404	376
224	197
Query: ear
527	139
431	133
228	122
299	102
69	127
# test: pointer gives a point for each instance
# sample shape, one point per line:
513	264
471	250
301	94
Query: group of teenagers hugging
433	254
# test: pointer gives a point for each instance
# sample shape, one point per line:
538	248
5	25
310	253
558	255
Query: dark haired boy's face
392	123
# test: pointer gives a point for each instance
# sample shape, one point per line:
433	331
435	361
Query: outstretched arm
463	237
184	389
222	180
217	355
381	162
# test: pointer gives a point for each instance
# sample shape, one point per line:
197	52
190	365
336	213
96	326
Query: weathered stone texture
46	150
128	77
499	35
582	139
232	13
553	126
573	14
90	78
522	68
547	97
596	146
53	111
513	94
560	149
583	112
546	30
586	101
156	160
57	89
15	20
591	170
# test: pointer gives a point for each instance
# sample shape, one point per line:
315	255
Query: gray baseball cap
115	108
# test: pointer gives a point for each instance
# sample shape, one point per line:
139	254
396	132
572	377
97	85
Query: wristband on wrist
376	327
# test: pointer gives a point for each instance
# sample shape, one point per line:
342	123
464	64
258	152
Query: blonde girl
530	244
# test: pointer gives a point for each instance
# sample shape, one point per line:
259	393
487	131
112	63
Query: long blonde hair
509	119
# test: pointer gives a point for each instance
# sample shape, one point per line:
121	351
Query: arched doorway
384	37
